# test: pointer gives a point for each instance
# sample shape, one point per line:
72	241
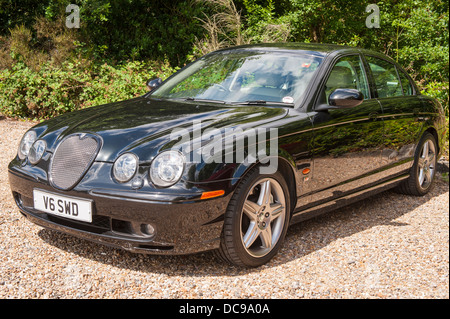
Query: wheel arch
287	169
434	132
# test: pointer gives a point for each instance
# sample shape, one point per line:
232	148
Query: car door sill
346	200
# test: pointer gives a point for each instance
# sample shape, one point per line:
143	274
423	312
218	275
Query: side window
385	76
347	73
406	84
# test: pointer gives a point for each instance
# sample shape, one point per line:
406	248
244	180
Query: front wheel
256	220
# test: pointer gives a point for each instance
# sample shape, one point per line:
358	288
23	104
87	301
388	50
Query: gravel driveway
390	246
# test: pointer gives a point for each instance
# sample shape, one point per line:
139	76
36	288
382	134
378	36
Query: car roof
320	49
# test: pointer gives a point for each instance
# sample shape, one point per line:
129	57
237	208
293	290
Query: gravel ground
390	246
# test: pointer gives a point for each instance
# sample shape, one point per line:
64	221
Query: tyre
423	170
256	220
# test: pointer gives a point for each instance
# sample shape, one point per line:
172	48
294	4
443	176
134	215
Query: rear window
386	78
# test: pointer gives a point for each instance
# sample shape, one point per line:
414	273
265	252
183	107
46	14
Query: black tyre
256	220
424	168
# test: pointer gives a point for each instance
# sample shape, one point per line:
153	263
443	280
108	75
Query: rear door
400	113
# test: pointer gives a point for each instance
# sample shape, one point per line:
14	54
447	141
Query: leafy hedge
438	90
50	91
47	69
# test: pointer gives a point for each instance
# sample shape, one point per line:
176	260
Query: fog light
147	229
18	199
137	182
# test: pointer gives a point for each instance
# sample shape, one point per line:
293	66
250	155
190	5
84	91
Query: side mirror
154	83
345	98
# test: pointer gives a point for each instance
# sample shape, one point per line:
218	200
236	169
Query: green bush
438	90
38	81
51	91
135	29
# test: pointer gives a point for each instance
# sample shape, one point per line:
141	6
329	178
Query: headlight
167	168
125	167
36	151
25	144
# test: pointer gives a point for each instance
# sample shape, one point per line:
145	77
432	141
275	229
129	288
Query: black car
230	150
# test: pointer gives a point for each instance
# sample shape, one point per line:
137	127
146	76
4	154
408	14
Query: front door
347	145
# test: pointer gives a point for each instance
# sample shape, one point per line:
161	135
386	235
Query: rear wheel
424	168
256	220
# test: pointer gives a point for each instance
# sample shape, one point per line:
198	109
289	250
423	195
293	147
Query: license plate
63	206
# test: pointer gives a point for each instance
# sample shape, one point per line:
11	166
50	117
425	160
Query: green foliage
438	90
422	40
258	13
444	177
135	29
415	33
35	42
262	23
50	91
46	41
19	12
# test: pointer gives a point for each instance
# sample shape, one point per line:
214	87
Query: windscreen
243	76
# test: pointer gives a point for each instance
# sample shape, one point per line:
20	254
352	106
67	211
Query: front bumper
183	223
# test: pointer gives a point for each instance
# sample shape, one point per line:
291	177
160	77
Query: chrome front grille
72	158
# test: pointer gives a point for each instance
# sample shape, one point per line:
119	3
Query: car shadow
301	240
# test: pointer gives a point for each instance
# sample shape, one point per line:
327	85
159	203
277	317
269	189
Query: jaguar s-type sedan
230	150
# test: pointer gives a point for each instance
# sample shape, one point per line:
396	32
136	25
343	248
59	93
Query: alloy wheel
427	164
263	216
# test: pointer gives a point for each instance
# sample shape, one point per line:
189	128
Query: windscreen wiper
253	102
204	100
262	102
